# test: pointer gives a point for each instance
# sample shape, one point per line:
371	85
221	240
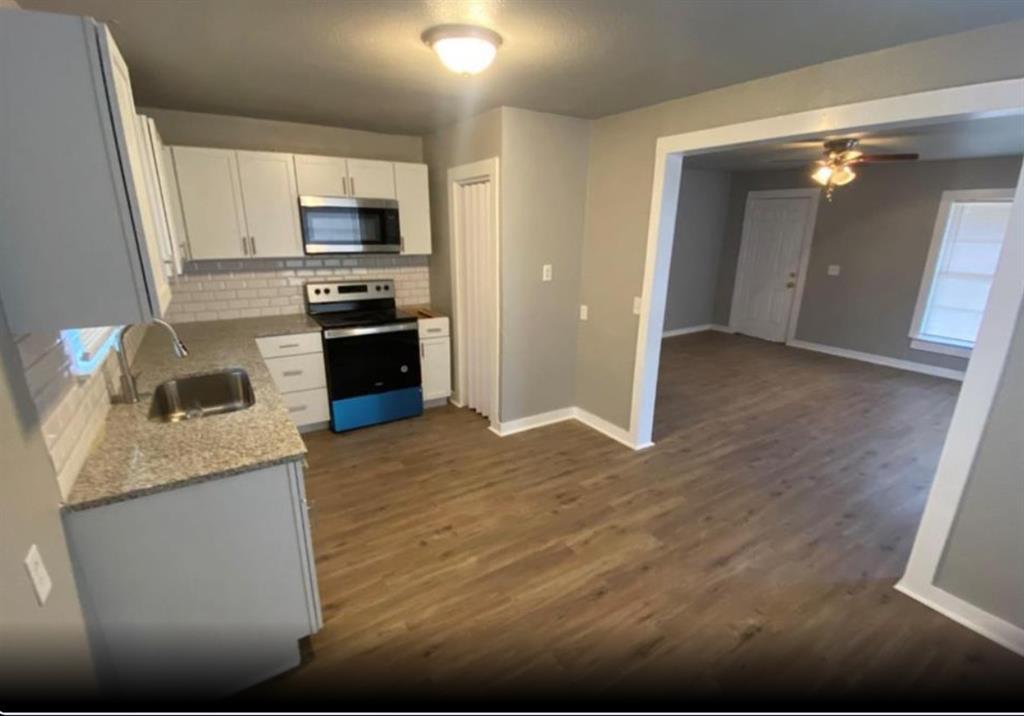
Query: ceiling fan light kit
463	49
840	156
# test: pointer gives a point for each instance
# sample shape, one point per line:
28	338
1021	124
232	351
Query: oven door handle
369	330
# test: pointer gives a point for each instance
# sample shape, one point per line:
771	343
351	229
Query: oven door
373	374
336	225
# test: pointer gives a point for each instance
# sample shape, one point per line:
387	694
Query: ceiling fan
835	169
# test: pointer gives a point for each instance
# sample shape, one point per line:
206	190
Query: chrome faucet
129	390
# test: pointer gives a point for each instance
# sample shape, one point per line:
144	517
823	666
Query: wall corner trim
696	329
978	620
912	366
511	427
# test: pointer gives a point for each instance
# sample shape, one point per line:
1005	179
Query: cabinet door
169	177
368	179
169	246
137	170
413	207
436	368
271	203
321	176
211	201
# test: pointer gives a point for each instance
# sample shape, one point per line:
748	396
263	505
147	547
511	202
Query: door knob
790	284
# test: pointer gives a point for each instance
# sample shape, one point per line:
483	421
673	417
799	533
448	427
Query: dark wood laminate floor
748	558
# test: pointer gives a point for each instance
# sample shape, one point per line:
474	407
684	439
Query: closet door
211	200
271	203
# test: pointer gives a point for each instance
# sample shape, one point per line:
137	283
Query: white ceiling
361	63
988	137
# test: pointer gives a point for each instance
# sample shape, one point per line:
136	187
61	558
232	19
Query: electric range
371	352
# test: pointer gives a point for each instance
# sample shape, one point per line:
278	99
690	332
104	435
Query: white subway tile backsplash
212	290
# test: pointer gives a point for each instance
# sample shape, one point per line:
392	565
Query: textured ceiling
361	64
988	137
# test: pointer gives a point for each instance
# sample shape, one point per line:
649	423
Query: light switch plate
545	273
37	572
833	269
583	311
636	305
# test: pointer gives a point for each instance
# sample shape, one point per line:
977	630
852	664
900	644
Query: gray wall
700	232
471	140
543	192
42	646
228	132
983	561
622	169
878	230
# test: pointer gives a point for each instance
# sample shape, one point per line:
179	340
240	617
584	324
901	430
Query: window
87	348
968	237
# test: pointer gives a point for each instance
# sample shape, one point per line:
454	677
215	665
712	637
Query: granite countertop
137	456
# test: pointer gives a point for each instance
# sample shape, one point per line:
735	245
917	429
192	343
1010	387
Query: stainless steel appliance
338	225
371	351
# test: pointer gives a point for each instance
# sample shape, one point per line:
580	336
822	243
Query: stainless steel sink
200	395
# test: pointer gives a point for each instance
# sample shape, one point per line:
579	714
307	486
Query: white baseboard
879	360
696	329
606	428
511	427
974	618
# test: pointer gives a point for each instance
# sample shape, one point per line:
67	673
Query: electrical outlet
38	574
636	305
583	311
545	273
833	269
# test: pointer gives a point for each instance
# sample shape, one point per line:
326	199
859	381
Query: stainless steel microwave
337	225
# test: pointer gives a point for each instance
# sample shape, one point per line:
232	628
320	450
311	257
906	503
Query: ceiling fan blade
887	158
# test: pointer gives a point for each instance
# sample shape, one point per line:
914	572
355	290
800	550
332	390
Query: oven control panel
349	291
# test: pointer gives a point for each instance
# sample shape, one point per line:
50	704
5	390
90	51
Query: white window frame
917	340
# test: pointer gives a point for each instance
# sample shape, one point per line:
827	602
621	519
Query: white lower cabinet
435	358
209	595
296	363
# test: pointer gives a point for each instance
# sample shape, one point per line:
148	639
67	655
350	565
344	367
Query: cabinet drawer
307	407
294	373
433	327
275	346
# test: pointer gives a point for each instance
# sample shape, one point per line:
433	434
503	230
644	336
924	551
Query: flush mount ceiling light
463	49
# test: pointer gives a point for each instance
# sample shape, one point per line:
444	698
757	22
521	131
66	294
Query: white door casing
775	243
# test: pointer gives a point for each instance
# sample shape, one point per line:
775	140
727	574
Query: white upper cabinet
152	147
413	207
77	234
370	179
271	205
211	201
334	176
321	176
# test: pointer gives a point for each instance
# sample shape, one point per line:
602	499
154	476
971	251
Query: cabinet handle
252	243
352	183
422	354
433	330
344	186
245	246
291	373
297	408
288	345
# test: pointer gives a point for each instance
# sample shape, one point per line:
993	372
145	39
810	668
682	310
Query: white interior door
777	227
473	196
271	203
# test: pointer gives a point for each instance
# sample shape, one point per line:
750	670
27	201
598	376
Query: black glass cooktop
351	319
